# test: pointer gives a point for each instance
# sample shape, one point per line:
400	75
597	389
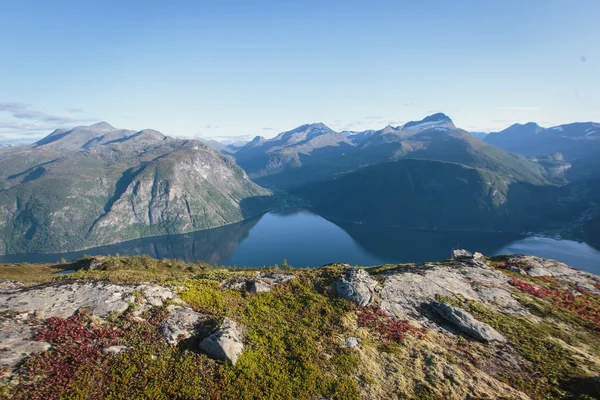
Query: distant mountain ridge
314	152
573	140
96	185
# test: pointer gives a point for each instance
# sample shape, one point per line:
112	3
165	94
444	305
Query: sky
233	69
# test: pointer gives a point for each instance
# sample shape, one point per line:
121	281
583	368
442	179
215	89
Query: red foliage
597	285
389	327
586	305
76	346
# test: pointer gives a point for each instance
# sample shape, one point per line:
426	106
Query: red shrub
76	346
389	327
586	305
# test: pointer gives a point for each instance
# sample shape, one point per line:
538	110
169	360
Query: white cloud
26	123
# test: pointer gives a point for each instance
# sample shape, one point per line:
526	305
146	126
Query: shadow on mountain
256	205
213	246
420	245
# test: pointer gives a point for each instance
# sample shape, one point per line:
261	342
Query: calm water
306	239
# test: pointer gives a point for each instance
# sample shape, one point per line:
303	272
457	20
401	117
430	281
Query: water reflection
305	239
214	246
415	245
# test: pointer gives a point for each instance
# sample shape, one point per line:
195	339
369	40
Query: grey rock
114	350
64	299
16	342
181	323
517	270
258	286
277	279
537	266
236	284
467	323
536	272
356	285
461	254
9	286
157	295
404	291
261	283
225	343
352	342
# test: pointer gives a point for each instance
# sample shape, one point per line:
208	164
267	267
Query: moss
290	330
207	296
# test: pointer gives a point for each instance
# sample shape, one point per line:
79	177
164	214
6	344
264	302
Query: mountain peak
433	119
102	126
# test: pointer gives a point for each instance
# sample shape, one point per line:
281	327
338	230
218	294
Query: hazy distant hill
315	152
95	185
574	141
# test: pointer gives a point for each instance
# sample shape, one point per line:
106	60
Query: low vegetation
295	343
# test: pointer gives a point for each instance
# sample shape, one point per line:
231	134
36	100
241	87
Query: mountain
575	141
96	185
276	165
290	149
433	194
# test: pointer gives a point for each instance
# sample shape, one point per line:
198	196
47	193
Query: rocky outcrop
466	323
225	343
406	292
181	323
537	267
101	299
64	299
357	286
16	341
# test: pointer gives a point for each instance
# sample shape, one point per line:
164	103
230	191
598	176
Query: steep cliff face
190	189
74	190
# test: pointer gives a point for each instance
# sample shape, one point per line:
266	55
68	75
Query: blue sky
246	68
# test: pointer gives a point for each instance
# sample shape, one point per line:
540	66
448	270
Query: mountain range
315	152
96	185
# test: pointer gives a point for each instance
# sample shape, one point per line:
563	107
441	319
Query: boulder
257	286
466	323
260	283
461	254
277	279
225	343
352	342
181	323
156	296
356	285
517	270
